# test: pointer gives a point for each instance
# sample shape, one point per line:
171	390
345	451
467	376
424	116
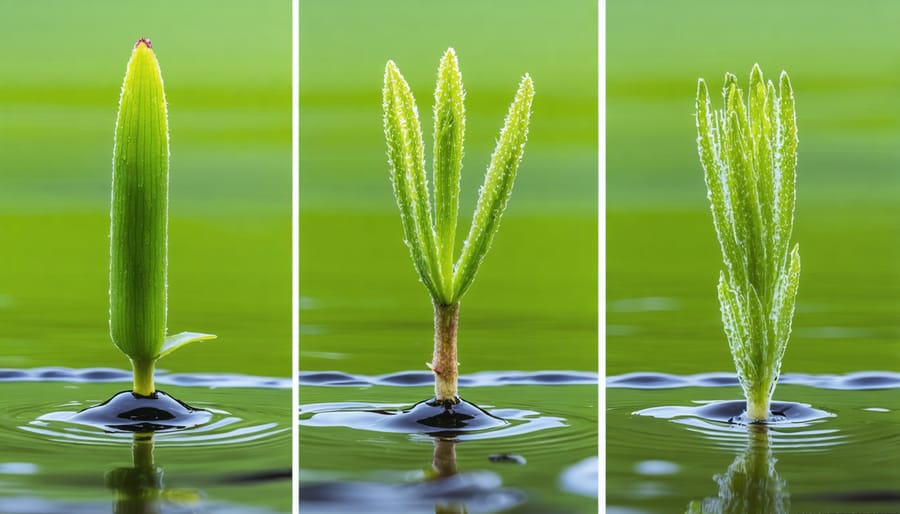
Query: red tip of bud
145	41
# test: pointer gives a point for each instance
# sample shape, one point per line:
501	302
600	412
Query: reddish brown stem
444	362
444	462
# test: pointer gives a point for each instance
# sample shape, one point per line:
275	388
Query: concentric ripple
794	427
423	417
396	418
68	411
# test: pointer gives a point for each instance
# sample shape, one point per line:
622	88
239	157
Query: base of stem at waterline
757	410
444	363
143	378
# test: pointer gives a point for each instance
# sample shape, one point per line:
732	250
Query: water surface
845	461
51	464
543	459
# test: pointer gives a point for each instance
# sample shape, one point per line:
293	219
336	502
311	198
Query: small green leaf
497	188
177	341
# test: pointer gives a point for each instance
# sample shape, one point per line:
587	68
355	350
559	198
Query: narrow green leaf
414	151
180	340
449	132
785	167
715	169
757	100
761	125
396	127
735	104
757	345
730	81
139	210
743	209
783	305
495	192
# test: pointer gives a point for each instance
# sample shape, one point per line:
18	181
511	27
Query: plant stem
444	363
142	450
143	377
444	461
758	404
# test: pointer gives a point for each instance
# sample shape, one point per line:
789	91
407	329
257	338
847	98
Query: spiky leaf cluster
429	228
748	150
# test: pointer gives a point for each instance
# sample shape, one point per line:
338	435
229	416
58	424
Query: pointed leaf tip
391	69
179	340
784	82
144	41
701	88
527	85
391	74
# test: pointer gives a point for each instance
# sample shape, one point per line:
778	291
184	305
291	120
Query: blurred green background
662	257
227	71
534	302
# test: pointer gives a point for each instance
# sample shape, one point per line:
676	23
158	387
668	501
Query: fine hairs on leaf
429	229
139	222
748	150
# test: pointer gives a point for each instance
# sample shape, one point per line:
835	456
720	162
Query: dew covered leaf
497	188
402	149
449	132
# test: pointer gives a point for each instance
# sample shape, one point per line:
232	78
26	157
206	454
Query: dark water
54	462
537	452
669	450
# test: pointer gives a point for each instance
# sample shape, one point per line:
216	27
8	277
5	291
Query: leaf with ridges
735	105
497	187
738	184
139	210
449	131
414	151
398	163
786	171
760	128
758	345
788	296
714	168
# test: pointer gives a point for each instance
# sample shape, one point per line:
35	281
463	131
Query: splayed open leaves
139	222
749	156
430	231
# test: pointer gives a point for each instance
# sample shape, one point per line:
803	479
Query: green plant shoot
749	155
429	228
139	222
